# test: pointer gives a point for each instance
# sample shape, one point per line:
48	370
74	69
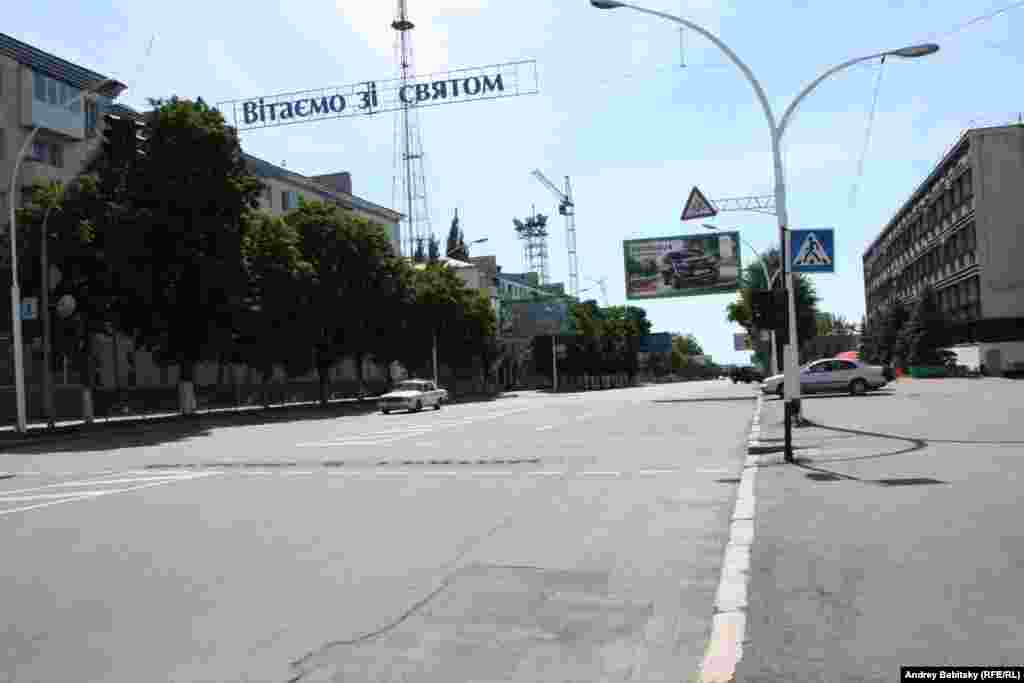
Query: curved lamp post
109	88
777	129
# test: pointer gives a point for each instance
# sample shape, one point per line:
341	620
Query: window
91	118
968	185
40	86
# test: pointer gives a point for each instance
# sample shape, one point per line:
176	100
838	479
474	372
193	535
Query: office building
961	233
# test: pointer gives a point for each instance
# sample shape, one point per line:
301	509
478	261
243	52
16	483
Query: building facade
40	89
961	233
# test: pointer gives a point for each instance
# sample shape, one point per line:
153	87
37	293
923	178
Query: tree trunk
186	387
88	413
322	374
360	379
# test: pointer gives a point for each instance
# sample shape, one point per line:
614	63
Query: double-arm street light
107	88
777	128
769	280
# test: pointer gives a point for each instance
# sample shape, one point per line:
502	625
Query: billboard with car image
685	265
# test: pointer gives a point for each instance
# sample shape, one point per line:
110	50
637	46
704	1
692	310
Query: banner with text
372	97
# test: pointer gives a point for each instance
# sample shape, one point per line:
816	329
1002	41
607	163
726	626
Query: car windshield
412	386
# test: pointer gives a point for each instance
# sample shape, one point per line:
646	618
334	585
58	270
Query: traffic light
119	140
768	309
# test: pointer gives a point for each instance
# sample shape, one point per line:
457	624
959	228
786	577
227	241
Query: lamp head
605	4
913	51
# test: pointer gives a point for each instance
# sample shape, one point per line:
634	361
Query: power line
867	137
978	20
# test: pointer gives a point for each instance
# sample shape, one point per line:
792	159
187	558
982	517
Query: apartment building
41	90
961	233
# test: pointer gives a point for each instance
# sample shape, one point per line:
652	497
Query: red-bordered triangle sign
697	206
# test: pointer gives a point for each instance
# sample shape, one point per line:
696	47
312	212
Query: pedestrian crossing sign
812	251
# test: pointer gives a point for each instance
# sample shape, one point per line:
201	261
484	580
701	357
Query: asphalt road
533	538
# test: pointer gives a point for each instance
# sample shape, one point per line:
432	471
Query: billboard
525	319
686	265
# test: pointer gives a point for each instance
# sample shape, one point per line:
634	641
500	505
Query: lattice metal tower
409	184
534	234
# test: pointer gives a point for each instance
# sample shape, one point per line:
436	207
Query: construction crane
603	284
567	208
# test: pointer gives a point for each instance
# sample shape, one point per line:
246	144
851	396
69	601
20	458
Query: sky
616	111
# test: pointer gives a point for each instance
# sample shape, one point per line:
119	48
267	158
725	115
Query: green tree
923	337
433	249
881	339
179	230
277	275
807	300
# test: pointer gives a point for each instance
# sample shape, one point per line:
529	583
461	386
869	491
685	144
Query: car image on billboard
687	265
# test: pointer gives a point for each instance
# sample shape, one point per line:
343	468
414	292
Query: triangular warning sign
812	253
697	206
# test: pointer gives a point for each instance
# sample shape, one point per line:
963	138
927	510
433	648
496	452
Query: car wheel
437	406
418	407
858	387
385	411
779	392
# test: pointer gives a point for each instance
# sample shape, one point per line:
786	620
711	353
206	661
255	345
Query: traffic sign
29	308
697	206
812	251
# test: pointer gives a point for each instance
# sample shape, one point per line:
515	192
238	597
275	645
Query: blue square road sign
812	251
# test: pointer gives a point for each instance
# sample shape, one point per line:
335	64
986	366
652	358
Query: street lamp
107	88
770	280
792	386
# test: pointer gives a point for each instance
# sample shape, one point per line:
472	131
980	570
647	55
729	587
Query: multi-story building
41	90
962	233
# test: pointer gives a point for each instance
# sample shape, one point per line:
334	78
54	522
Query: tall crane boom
567	208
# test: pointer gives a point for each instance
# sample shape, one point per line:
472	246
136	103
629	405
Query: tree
881	335
276	273
923	337
807	300
178	248
433	249
419	255
829	324
456	245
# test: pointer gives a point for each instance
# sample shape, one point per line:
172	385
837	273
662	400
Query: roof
48	64
266	169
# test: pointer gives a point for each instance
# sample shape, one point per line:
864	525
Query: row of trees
907	337
604	340
171	248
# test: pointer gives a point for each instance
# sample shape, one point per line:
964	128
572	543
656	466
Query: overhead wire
867	136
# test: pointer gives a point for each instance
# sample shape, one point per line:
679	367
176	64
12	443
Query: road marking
90	495
94	482
594	473
541	429
661	471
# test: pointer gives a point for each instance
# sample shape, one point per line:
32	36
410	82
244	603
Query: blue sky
616	112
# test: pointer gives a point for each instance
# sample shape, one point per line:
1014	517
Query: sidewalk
895	539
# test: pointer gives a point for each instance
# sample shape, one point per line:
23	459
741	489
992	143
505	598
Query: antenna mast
411	174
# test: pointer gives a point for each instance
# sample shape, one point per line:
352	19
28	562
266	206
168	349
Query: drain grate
909	481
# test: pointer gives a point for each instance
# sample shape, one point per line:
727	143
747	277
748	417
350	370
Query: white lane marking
660	471
544	473
541	429
96	494
97	482
595	473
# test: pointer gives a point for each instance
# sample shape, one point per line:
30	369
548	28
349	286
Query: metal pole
435	357
47	376
21	424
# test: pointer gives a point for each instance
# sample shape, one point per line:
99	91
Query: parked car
413	395
689	265
834	375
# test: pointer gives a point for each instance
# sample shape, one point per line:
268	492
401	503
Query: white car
835	375
413	395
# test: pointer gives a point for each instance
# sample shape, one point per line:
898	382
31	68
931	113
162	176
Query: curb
728	625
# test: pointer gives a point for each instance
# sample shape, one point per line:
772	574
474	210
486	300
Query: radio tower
409	185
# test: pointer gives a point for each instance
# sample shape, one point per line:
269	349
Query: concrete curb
729	623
